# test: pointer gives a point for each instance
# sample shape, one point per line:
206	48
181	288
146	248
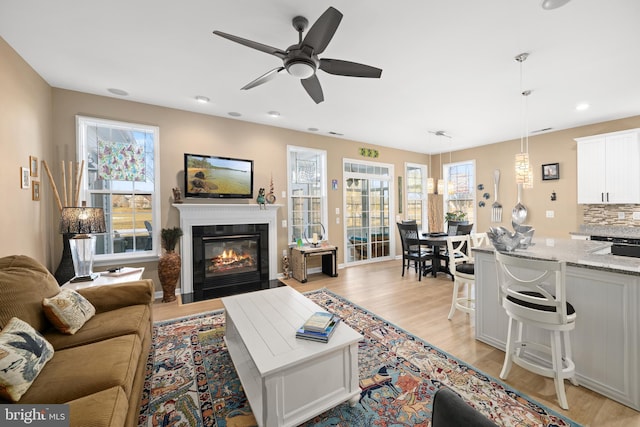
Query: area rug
191	380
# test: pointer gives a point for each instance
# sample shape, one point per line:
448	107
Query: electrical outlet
337	220
550	214
284	194
636	215
620	215
337	211
284	223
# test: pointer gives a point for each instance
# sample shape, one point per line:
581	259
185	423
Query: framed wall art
33	165
25	178
550	171
35	191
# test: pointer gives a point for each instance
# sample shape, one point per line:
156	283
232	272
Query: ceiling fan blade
347	68
254	45
322	31
313	88
269	75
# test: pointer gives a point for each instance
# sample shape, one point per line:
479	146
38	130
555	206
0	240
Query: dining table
435	241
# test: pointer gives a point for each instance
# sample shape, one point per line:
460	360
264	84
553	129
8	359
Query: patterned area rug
191	380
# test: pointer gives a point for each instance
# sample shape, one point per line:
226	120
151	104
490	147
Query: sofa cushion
24	283
107	408
80	371
68	311
23	354
124	321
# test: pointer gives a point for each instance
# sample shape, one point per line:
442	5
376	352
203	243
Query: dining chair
533	294
411	248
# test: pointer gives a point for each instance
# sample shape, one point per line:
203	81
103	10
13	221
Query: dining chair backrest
533	289
464	229
408	235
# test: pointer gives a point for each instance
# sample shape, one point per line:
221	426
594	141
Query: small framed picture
25	178
550	171
33	164
35	190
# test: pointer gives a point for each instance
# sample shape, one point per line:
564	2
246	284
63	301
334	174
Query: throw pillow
68	311
23	354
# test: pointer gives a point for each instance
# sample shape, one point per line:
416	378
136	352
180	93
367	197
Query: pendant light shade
524	173
430	186
441	186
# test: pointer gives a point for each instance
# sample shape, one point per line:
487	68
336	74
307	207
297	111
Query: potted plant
455	218
170	263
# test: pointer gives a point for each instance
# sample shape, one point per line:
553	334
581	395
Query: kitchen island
605	291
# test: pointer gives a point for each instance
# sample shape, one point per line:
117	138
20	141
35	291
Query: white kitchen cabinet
609	168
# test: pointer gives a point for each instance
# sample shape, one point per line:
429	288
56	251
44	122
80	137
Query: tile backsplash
609	215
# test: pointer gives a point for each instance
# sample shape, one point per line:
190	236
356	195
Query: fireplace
229	259
227	249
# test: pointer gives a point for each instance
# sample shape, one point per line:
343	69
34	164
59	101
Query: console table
125	274
299	257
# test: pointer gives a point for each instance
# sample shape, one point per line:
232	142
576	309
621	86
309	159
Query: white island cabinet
605	291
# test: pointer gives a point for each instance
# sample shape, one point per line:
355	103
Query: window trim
445	199
81	154
425	197
324	210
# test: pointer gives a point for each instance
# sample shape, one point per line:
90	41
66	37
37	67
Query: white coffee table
288	380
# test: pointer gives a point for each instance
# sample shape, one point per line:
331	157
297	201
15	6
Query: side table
299	257
125	274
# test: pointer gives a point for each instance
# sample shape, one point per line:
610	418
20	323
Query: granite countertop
608	231
579	253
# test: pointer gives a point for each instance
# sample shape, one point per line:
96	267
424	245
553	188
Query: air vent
541	130
335	133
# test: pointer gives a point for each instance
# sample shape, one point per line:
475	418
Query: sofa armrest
111	297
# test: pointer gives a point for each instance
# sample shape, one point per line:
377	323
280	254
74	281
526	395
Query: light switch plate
636	215
550	214
620	215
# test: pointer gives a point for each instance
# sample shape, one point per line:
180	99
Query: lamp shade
82	220
524	175
430	186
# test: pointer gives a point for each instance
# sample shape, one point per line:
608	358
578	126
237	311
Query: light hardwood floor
421	308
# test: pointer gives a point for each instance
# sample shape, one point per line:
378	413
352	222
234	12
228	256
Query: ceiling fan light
301	69
553	4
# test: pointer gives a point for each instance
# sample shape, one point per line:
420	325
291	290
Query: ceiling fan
301	60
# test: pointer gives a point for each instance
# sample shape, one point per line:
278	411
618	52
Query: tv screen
218	177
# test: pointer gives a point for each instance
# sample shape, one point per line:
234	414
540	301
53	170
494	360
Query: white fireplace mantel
199	214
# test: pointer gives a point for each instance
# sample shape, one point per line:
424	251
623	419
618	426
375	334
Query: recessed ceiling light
202	99
553	4
312	129
582	106
118	92
274	114
234	114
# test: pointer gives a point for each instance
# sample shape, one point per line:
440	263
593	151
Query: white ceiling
447	65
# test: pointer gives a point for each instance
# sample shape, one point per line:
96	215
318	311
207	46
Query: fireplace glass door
231	255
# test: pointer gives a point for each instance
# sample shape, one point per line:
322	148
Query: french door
367	211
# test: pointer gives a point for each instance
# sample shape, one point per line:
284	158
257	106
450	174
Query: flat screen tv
217	177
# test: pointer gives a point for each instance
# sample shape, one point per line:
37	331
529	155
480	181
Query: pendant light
524	173
430	185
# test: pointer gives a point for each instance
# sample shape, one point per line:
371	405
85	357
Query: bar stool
461	264
533	293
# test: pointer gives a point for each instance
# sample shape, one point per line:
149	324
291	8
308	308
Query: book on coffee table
318	321
321	336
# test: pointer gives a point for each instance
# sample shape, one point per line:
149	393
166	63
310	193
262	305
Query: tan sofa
100	370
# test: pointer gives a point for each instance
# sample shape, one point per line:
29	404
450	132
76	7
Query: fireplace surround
220	222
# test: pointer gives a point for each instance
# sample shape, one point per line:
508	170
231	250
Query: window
121	175
459	194
416	179
307	193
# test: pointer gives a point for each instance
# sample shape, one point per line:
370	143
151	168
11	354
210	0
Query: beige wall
553	147
40	121
25	130
182	131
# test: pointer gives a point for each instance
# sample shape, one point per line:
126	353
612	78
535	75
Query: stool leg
508	362
569	355
556	356
453	300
